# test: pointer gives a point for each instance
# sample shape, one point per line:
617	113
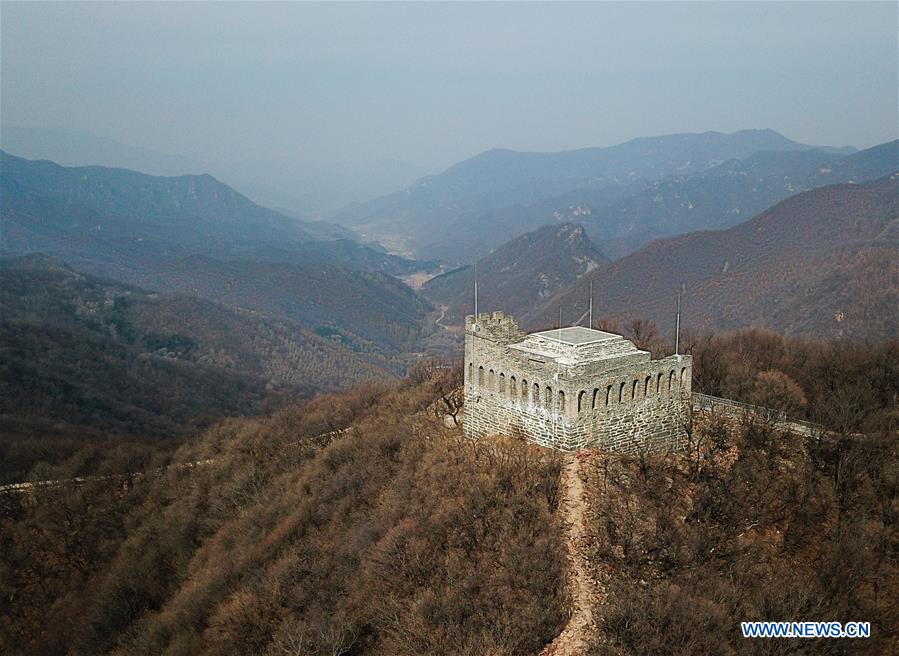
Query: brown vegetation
86	363
361	523
824	263
519	274
849	386
766	527
393	537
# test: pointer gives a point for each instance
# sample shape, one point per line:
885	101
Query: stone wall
628	403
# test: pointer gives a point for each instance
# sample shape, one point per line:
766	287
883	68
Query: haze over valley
559	329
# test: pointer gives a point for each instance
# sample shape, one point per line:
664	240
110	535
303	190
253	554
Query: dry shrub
850	386
353	523
781	529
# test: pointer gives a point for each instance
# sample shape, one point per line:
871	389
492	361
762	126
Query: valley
625	195
449	328
149	324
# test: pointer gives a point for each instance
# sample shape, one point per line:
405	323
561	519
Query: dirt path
585	592
443	309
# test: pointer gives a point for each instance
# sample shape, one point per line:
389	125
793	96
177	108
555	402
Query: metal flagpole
591	305
475	292
677	324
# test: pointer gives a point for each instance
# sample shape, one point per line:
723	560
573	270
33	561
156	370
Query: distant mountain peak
521	272
456	210
790	268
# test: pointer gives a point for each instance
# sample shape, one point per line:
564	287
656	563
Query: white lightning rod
677	324
475	292
590	325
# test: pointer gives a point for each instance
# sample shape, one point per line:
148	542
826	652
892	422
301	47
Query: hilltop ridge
519	274
427	216
822	262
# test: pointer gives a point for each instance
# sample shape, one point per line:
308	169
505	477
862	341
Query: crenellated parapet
572	387
498	327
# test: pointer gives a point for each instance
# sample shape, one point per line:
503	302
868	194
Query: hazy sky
434	83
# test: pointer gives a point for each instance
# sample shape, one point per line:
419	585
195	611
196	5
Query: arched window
491	380
561	401
621	392
595	394
580	401
671	380
646	386
536	398
513	387
471	373
548	397
524	390
634	390
608	394
683	377
480	376
659	383
502	383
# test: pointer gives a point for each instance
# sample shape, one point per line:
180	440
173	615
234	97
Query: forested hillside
518	274
366	311
359	523
194	235
820	263
394	537
750	524
84	357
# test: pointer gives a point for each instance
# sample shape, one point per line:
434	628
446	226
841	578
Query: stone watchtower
571	387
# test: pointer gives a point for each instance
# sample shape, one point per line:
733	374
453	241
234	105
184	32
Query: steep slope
96	214
84	352
354	523
366	311
519	274
823	262
726	195
622	219
417	216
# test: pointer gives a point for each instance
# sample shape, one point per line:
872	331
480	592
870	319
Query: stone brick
571	388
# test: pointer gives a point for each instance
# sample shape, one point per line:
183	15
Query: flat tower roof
576	335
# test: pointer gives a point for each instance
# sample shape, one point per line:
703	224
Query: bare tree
339	635
645	335
446	380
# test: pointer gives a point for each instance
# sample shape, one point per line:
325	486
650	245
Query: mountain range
724	195
196	235
163	491
117	210
430	217
823	262
291	185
